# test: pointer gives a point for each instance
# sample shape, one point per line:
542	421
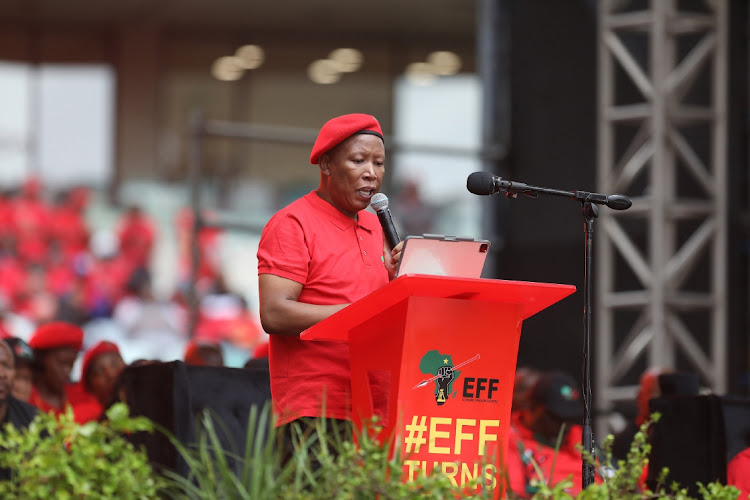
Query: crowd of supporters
51	267
74	297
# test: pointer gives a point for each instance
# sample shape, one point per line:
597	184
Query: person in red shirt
224	317
738	472
101	280
23	357
316	256
12	410
101	367
69	230
209	249
648	388
7	228
136	233
13	276
31	221
554	402
203	353
56	346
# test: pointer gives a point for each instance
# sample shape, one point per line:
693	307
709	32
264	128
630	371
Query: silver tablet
439	255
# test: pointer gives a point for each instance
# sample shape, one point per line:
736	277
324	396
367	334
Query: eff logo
444	374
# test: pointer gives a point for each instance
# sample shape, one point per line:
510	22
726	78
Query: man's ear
325	164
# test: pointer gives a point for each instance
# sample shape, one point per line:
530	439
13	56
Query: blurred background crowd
55	267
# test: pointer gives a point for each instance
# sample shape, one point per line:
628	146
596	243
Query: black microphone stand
590	211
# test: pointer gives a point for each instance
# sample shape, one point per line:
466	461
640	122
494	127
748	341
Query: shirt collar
336	216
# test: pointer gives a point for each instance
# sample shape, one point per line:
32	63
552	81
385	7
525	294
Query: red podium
435	358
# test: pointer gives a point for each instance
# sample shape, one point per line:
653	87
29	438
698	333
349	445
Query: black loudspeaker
175	395
689	439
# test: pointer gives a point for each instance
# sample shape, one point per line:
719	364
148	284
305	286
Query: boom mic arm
484	183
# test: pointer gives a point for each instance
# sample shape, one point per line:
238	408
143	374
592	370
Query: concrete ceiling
428	20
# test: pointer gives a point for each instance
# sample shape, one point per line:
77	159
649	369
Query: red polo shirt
738	472
85	406
524	450
337	260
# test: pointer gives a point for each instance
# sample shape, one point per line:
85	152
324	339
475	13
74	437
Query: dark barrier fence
175	395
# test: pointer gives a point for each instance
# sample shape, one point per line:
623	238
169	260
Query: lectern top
533	297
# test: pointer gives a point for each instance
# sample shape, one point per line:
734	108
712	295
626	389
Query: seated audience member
102	365
655	382
105	274
554	404
23	357
5	331
648	388
200	353
118	392
156	326
524	380
224	316
137	234
69	231
738	472
56	346
12	410
31	221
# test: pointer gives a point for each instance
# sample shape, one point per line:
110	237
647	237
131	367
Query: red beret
57	334
336	130
101	347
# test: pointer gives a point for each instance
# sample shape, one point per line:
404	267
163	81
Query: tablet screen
443	256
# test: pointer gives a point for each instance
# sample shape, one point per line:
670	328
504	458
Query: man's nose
370	170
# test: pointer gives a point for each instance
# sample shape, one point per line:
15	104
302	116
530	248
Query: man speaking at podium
315	257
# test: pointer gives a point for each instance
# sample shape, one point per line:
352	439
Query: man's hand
393	258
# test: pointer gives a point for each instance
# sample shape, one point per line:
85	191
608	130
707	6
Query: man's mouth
366	192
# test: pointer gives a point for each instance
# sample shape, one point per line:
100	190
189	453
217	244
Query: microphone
484	183
379	203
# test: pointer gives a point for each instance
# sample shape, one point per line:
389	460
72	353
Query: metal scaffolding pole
672	243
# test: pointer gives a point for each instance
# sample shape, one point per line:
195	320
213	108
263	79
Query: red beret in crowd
336	130
57	334
101	347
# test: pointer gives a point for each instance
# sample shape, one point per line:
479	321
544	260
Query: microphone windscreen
481	183
379	202
619	202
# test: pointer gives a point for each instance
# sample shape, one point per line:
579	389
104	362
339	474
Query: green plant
623	480
59	458
368	470
323	466
211	474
